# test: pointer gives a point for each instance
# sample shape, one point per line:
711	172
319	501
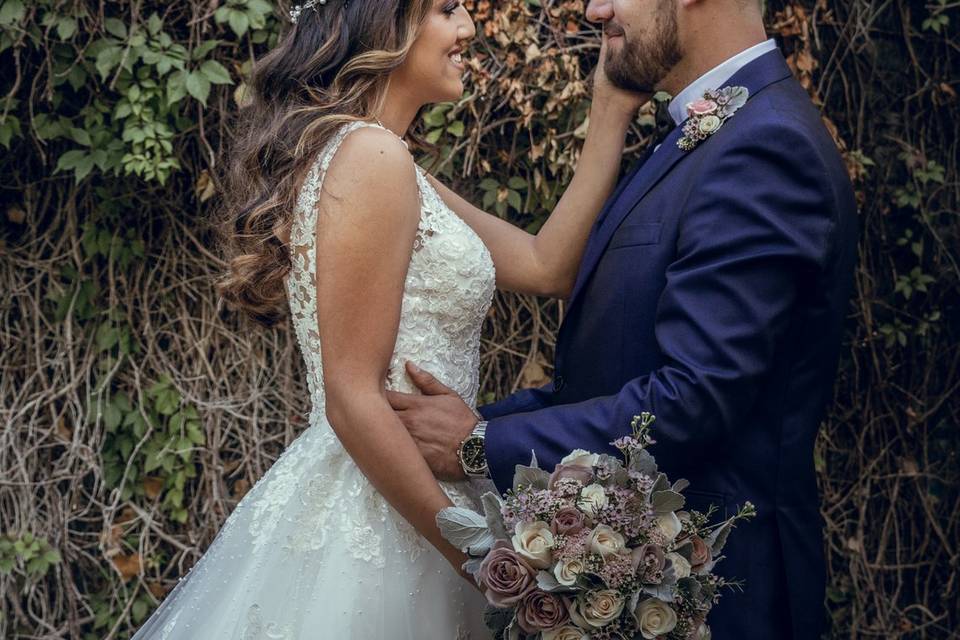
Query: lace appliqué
448	289
257	629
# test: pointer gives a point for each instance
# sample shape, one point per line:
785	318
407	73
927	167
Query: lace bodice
313	545
448	290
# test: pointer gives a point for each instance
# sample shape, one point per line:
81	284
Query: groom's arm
759	223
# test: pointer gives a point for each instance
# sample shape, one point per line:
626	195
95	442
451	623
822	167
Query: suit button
559	383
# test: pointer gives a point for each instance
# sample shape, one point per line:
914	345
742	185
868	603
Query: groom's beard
643	62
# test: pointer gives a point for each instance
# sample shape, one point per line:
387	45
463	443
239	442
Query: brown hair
331	68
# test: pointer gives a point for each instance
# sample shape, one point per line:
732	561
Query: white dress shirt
715	79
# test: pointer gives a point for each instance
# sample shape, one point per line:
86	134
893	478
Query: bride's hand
606	94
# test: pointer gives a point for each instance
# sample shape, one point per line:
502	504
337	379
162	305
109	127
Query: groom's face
644	41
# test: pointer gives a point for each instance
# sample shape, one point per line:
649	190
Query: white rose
533	542
656	618
592	499
566	571
606	541
709	124
596	609
669	525
703	633
681	567
580	458
566	632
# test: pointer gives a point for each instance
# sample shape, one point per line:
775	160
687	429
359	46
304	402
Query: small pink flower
701	107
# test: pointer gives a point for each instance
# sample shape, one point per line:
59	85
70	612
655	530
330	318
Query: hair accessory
298	9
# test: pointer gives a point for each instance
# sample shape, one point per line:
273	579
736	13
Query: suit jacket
712	293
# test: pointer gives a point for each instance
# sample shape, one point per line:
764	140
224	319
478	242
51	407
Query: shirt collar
715	79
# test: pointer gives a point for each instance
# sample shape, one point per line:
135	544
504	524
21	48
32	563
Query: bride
330	216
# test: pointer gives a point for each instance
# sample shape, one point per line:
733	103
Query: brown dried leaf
128	566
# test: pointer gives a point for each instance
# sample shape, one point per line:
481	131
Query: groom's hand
438	420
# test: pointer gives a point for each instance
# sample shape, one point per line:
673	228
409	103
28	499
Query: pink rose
568	520
701	554
540	610
575	472
701	107
505	577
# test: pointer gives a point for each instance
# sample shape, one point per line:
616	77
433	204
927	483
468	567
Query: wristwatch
472	453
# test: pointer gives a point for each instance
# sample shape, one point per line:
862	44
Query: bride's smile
433	70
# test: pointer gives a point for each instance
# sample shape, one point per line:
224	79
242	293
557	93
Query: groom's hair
332	67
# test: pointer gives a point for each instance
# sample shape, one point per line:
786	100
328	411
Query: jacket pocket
638	233
702	500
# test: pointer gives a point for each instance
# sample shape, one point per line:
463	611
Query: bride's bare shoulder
372	161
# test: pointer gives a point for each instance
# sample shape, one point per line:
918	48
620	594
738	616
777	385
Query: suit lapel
647	176
755	76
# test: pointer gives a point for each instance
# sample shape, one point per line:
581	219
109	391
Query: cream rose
656	618
606	541
566	571
596	609
709	124
681	567
533	542
669	525
580	458
702	633
566	632
592	499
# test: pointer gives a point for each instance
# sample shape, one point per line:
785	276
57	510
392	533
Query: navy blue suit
712	293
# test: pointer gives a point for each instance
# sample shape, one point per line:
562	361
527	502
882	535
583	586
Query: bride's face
433	70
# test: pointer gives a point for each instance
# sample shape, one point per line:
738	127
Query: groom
712	293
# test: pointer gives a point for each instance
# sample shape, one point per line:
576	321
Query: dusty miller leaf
530	477
492	504
666	501
465	529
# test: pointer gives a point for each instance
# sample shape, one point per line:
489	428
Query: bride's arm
547	263
365	231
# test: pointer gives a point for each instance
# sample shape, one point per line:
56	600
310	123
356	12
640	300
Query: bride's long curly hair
329	69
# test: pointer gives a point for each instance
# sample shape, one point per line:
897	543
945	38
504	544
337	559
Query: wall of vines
135	411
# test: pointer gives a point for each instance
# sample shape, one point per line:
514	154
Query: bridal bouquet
598	549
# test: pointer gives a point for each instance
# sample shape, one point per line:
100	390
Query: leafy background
136	411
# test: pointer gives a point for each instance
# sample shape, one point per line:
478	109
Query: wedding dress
313	551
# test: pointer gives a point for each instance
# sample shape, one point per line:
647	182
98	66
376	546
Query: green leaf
204	49
176	87
215	72
66	27
106	336
11	12
238	21
198	86
456	129
434	135
116	27
514	199
489	184
516	182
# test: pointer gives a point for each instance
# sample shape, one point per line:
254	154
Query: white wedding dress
313	551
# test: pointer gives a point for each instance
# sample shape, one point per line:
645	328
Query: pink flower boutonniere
708	114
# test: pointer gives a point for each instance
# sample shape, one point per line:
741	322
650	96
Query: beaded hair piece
309	4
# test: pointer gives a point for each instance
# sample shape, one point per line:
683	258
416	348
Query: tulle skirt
313	551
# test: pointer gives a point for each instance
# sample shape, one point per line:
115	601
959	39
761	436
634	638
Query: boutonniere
707	115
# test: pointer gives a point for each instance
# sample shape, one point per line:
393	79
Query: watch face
473	455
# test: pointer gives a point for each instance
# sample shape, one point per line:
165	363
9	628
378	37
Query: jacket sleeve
750	237
519	402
